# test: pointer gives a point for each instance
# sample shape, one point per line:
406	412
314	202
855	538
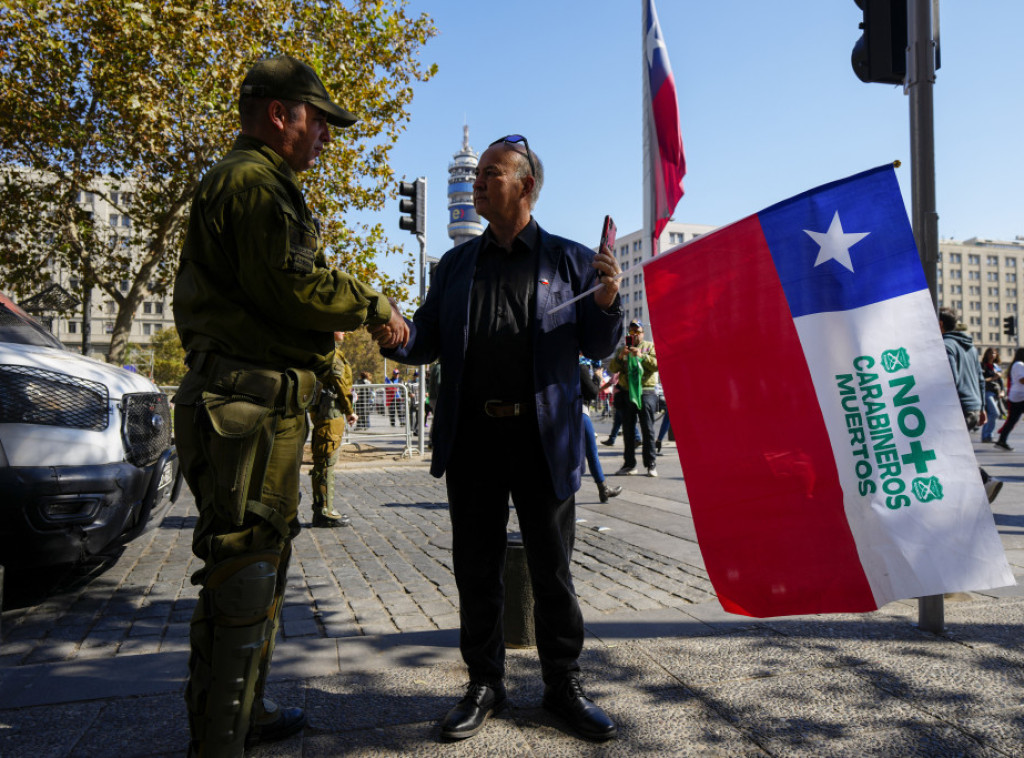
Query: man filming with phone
509	423
637	367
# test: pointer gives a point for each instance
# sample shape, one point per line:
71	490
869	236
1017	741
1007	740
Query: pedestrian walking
1015	398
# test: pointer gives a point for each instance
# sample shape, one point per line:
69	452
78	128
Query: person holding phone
637	366
509	423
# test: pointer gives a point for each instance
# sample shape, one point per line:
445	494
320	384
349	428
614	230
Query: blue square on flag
844	245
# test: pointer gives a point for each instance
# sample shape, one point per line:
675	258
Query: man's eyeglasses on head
515	139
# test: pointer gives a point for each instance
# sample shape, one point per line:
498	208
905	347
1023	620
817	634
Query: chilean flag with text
663	138
825	454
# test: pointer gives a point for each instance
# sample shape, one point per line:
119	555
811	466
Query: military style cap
290	79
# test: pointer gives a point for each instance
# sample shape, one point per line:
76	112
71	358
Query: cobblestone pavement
390	572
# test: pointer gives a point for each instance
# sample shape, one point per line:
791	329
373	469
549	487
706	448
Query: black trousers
493	460
1015	412
644	415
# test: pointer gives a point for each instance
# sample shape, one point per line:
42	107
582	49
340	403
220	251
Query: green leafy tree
136	100
364	355
168	358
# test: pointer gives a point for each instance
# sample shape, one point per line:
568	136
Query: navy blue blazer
440	329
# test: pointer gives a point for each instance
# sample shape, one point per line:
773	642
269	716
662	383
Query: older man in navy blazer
508	422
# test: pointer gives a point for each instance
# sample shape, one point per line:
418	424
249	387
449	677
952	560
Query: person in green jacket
256	308
637	367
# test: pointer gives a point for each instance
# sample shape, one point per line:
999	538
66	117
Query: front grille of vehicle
147	426
30	395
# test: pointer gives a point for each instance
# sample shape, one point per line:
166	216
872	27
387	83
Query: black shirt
499	361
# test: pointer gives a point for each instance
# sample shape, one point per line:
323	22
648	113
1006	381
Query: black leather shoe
566	699
288	722
605	491
470	713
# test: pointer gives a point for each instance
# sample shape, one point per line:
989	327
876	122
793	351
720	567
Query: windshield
17	327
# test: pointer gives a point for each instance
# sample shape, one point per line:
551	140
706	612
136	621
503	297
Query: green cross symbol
918	457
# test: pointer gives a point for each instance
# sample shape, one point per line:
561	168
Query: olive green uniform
329	417
256	309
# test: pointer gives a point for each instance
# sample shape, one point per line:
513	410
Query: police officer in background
329	416
256	309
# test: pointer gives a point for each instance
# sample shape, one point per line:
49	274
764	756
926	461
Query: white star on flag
835	245
654	41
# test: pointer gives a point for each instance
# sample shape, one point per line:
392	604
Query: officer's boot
229	629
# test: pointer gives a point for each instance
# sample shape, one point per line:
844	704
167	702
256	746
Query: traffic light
1010	326
880	55
413	203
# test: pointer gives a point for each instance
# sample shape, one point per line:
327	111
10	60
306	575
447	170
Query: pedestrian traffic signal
413	203
1010	326
880	55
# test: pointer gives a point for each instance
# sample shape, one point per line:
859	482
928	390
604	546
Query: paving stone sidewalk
390	572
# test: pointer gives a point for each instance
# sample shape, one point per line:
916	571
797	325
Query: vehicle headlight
146	426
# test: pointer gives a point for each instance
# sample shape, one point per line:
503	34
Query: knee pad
240	595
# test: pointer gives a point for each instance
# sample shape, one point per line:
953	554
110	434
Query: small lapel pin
544	281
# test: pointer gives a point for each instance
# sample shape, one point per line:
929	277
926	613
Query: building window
72	327
1011	277
1010	262
108	327
954	257
993	320
992	276
993	291
975	275
993	306
975	305
974	260
992	260
147	328
159	307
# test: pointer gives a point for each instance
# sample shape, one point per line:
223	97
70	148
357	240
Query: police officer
255	307
329	417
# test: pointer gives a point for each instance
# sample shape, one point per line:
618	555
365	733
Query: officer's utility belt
244	406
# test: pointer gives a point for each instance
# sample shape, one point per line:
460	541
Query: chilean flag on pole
826	458
665	163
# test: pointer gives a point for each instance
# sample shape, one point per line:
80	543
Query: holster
244	407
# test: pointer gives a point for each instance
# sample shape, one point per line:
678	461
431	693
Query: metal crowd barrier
386	412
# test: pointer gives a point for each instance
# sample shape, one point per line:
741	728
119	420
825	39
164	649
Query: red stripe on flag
760	474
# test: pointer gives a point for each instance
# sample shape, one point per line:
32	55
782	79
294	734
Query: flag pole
647	127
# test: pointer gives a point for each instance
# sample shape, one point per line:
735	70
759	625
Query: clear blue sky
768	102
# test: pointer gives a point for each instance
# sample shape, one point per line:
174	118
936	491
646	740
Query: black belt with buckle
499	409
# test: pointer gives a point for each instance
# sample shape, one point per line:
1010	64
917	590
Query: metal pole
421	393
920	81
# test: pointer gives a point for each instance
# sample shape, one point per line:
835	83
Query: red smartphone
608	233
